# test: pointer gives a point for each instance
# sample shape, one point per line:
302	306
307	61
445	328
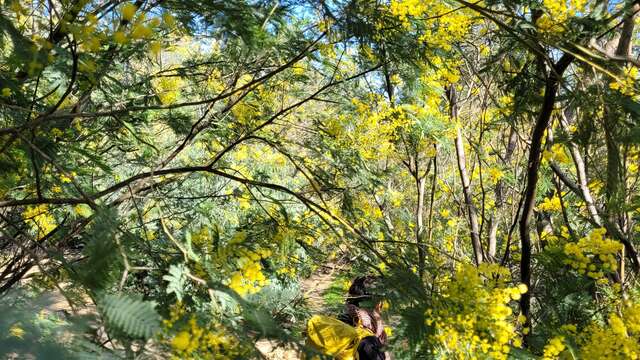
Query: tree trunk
581	173
626	35
499	193
542	122
432	195
472	213
420	226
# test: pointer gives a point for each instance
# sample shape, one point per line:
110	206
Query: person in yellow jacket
336	338
357	334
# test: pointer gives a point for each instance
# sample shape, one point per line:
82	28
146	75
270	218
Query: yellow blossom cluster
16	330
249	278
550	205
554	347
251	110
67	179
395	197
91	36
633	157
288	271
253	153
168	88
128	11
473	317
141	28
87	34
201	237
443	73
595	186
404	9
593	255
214	83
626	84
615	339
41	219
374	131
557	13
557	154
495	174
327	50
445	25
554	239
299	70
451	28
370	210
188	340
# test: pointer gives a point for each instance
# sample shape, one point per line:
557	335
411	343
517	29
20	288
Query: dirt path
316	285
313	289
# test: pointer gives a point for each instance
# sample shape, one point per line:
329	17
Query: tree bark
421	182
542	122
432	195
499	193
581	173
626	35
472	212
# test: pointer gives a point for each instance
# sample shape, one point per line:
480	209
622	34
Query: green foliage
282	301
177	279
190	166
130	315
334	296
101	264
28	330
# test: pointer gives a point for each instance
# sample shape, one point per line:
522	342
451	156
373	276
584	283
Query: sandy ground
313	288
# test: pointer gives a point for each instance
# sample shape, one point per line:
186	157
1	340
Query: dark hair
358	291
370	348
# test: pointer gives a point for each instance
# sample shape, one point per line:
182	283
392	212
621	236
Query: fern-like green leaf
130	315
177	279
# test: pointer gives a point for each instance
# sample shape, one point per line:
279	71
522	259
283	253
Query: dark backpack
370	348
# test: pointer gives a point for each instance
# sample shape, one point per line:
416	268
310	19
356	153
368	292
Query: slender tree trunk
542	122
581	173
421	182
472	213
494	223
432	195
499	193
